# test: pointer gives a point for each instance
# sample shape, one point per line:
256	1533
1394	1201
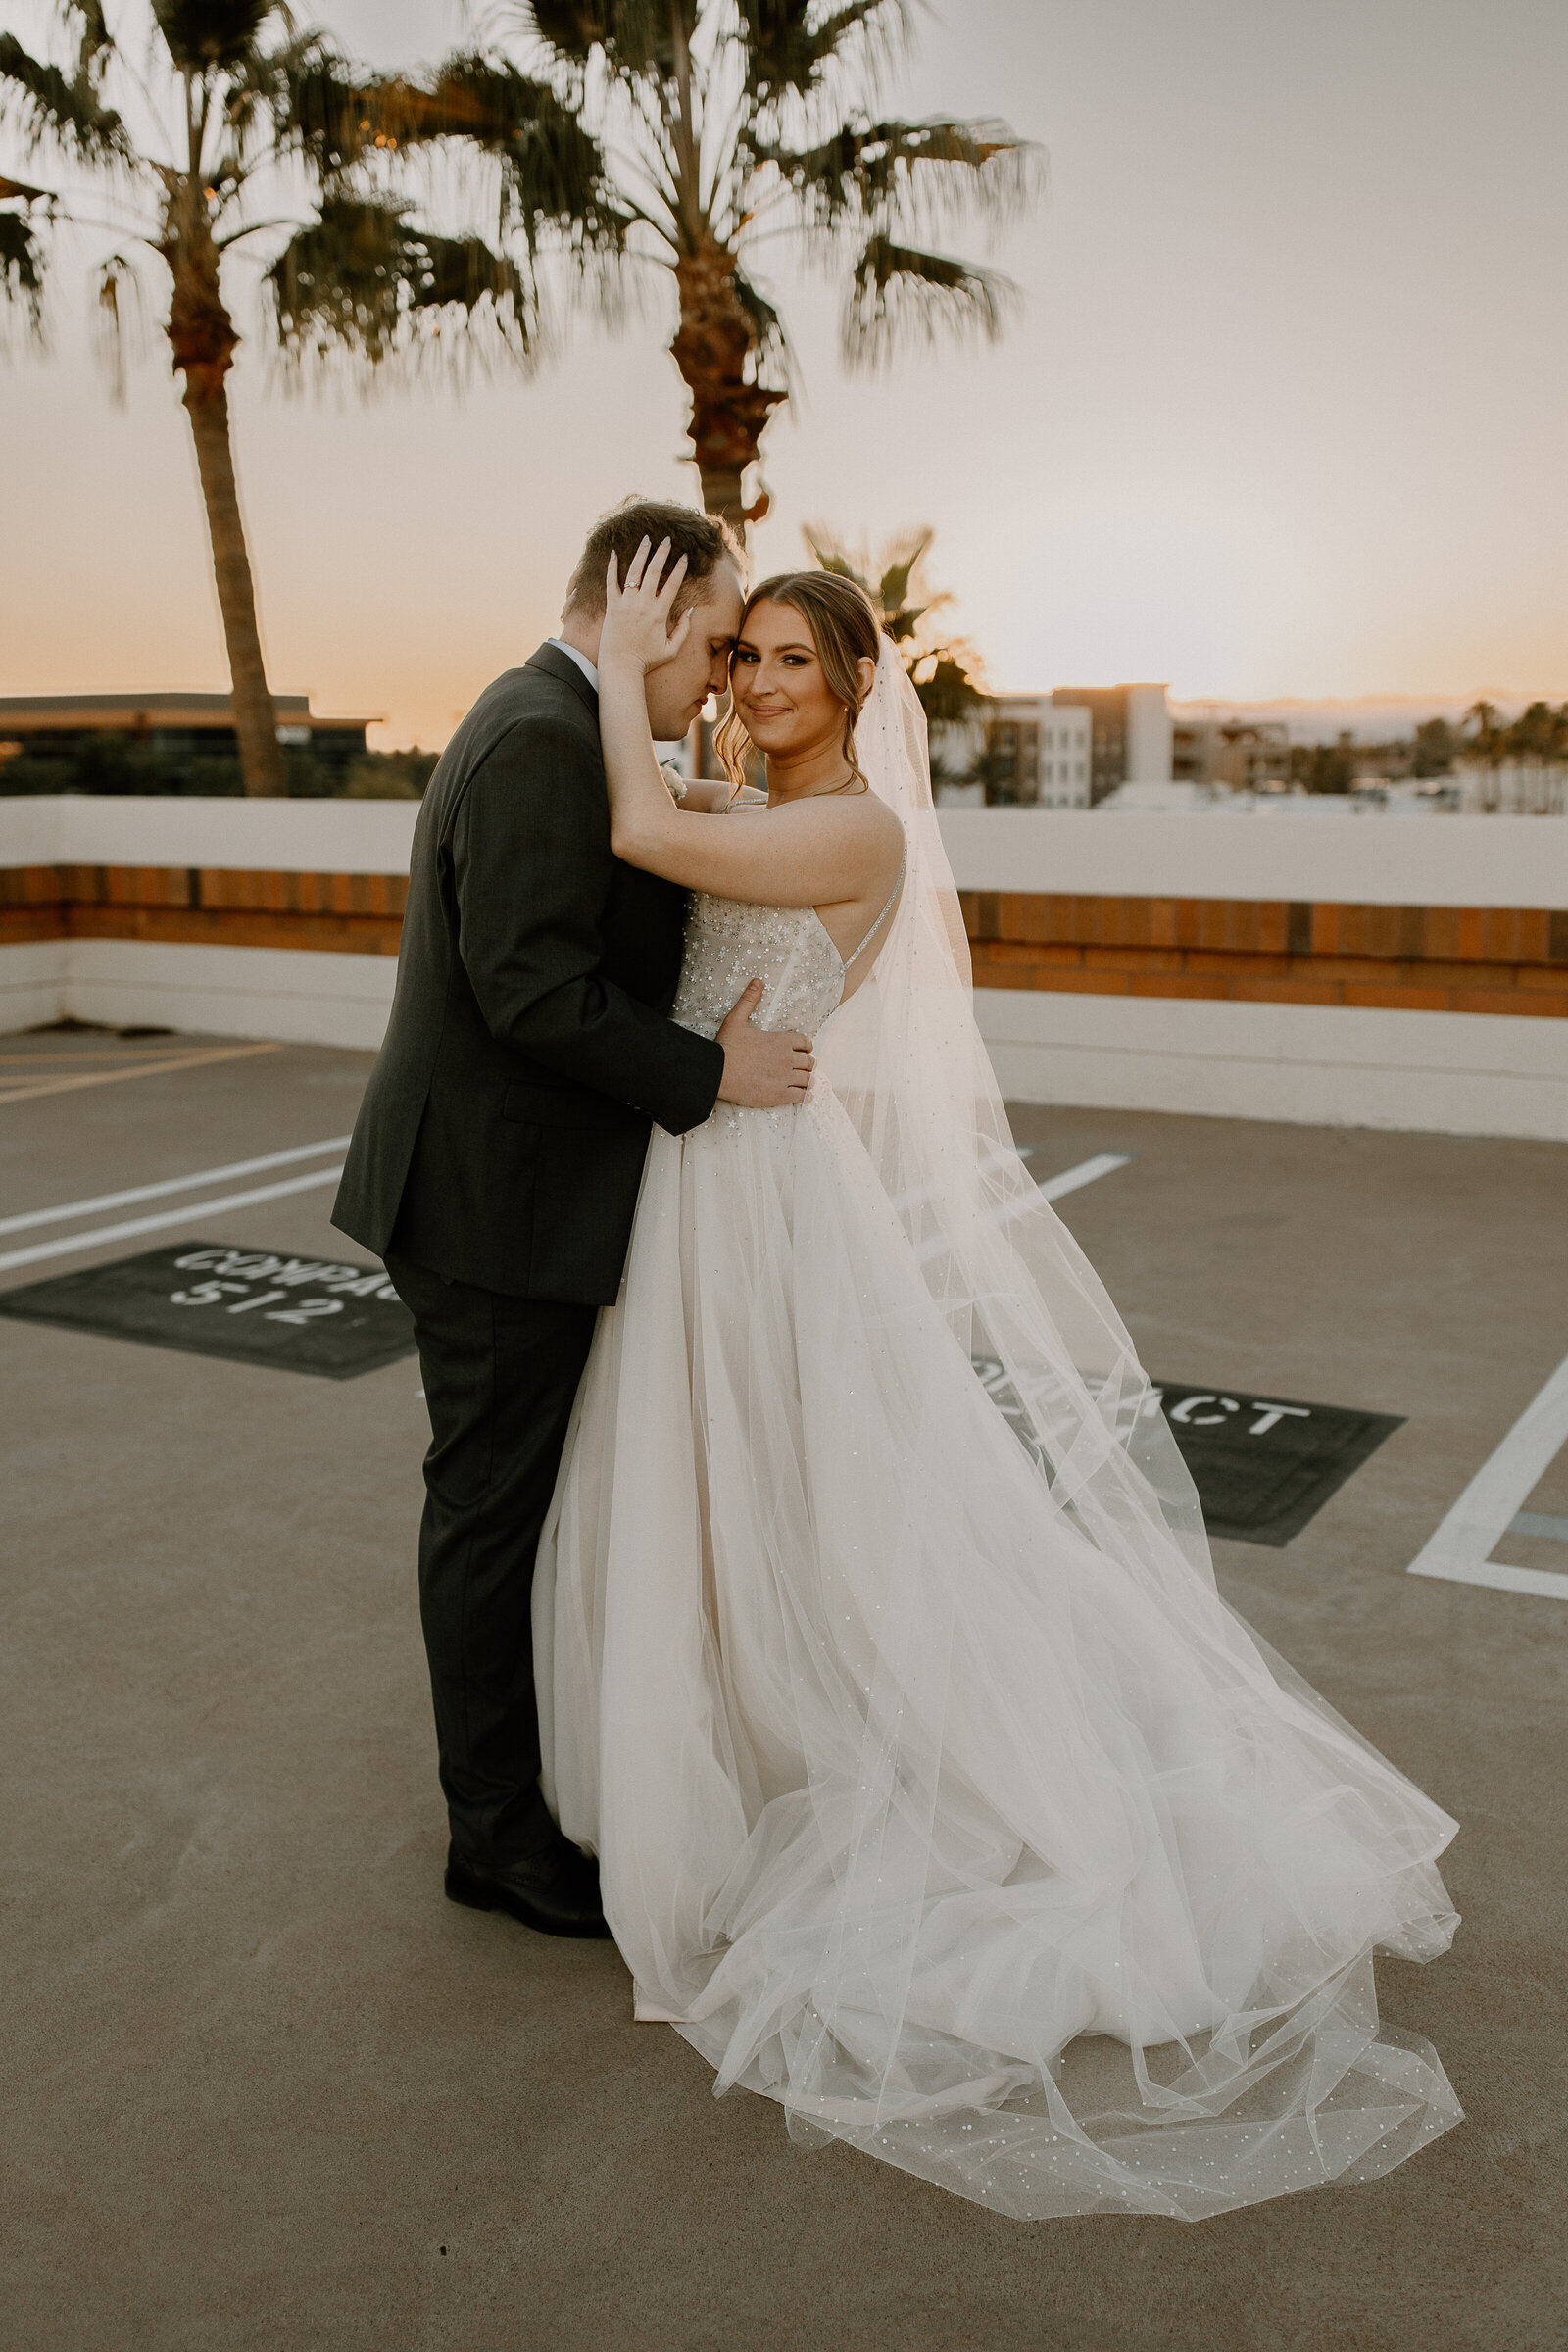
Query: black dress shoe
556	1891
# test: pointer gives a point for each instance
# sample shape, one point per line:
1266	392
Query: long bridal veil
1101	1877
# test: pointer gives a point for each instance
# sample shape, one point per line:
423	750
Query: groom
498	1152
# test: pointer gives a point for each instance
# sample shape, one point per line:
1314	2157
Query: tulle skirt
977	1846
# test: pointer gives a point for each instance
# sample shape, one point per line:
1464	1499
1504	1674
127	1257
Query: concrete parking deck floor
266	2088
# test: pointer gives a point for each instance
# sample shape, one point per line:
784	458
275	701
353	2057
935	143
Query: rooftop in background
267	2048
23	714
164	742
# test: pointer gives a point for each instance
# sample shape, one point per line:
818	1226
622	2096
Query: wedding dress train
937	1794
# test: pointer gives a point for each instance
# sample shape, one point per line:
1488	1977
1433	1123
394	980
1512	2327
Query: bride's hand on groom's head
637	625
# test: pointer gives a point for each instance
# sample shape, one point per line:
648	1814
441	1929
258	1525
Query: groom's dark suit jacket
502	1137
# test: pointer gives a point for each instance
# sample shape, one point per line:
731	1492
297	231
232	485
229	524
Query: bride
937	1794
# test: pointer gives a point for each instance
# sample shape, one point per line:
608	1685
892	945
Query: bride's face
776	677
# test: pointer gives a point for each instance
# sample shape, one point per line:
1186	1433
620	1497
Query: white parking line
1103	1164
140	1069
190	1214
171	1184
1087	1171
1490	1502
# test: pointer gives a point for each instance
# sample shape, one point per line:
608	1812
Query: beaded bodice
729	943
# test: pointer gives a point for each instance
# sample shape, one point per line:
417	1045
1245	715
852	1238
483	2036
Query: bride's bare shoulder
876	817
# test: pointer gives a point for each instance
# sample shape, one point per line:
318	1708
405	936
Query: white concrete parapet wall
1454	1072
1362	860
301	837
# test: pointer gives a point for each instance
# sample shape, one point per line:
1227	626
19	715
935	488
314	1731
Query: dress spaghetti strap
883	917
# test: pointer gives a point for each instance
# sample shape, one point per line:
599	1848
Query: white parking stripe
1087	1171
1483	1513
171	1184
140	1069
1103	1164
192	1213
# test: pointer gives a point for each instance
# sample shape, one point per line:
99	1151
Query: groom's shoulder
520	702
517	713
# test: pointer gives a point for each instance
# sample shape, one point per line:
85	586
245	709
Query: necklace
826	792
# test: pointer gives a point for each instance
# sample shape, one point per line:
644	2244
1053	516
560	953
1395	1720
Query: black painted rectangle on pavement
253	1307
1263	1465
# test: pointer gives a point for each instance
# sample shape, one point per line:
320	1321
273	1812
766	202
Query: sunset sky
1283	413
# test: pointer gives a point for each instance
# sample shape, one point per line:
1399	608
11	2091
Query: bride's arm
810	854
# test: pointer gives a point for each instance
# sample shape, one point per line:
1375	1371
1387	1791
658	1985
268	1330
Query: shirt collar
581	659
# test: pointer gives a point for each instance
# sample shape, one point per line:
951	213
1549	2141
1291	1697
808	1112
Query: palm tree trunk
724	495
203	340
711	349
260	760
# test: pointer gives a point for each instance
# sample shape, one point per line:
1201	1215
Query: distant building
1130	735
1242	754
1065	749
173	731
1038	753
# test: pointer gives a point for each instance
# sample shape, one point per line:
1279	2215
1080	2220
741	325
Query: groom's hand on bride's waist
765	1069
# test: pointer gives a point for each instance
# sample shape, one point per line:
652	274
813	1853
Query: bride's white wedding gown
936	1793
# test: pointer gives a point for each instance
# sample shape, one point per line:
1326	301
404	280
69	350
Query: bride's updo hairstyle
845	631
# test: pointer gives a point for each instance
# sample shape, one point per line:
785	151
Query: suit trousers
500	1377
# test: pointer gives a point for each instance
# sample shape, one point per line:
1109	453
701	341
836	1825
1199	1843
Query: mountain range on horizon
1323	718
1364	717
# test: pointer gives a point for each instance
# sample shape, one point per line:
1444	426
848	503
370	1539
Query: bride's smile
787	704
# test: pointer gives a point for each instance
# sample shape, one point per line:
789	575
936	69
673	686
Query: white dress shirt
581	659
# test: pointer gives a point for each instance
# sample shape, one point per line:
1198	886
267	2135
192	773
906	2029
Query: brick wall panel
1133	959
1539	1002
1256	967
1389	998
1476	959
1285	992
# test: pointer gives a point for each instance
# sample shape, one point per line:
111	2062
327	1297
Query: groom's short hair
705	540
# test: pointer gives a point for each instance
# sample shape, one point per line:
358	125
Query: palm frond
554	173
899	296
889	588
788	44
305	99
891	175
572	29
633	37
202	33
771	348
117	322
893	588
363	281
21	262
44	104
94	40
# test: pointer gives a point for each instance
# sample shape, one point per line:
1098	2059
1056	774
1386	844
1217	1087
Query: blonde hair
845	631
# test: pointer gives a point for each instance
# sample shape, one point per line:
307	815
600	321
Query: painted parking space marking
171	1184
141	1069
36	1252
1263	1465
1492	1504
254	1306
1088	1171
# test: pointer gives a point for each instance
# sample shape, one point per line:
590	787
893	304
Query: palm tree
1488	744
1539	735
944	668
717	126
203	124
